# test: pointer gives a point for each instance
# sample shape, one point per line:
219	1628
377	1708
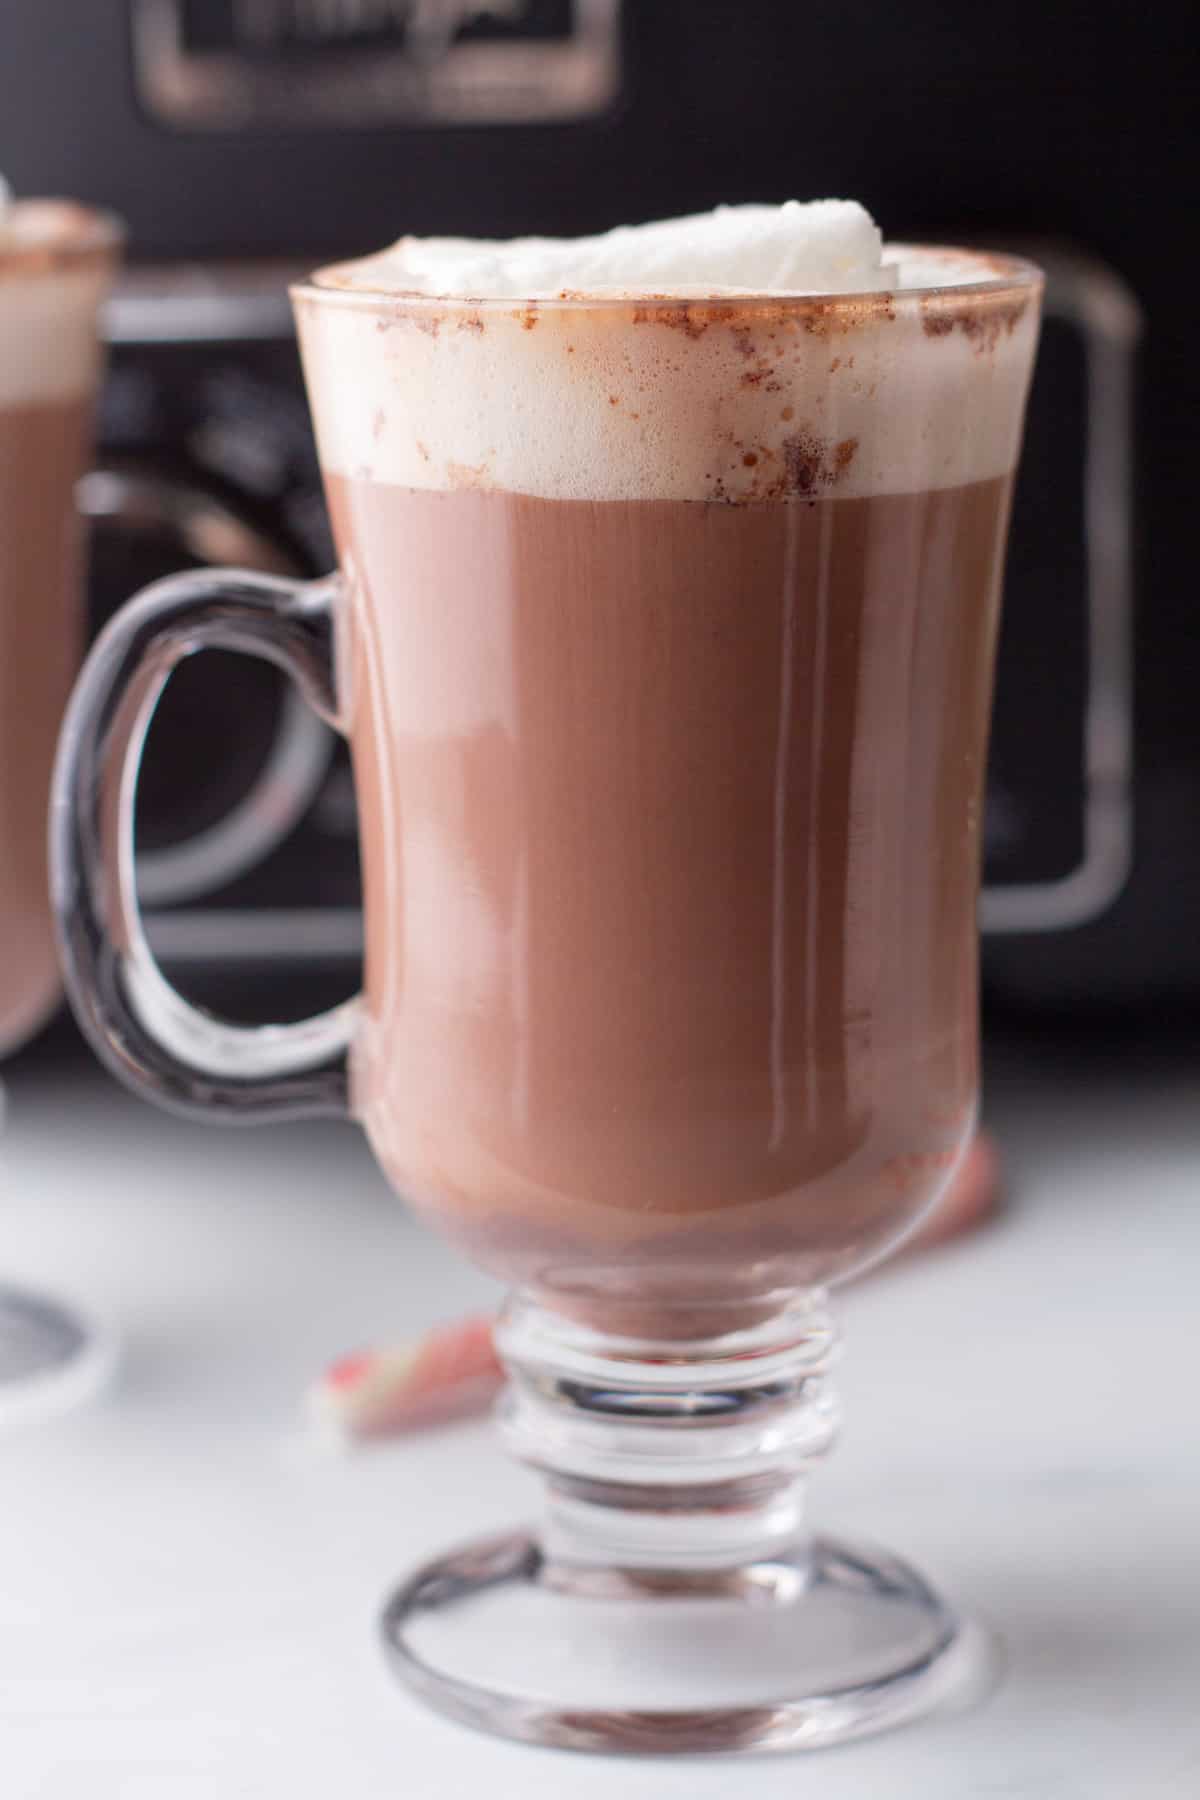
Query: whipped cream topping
814	247
824	247
692	377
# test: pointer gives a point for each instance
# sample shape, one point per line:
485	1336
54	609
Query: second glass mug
663	640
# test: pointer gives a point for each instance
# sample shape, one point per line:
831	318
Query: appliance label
231	65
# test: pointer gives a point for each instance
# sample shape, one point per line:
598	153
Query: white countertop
189	1586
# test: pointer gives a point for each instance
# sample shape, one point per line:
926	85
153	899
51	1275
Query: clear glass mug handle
153	1039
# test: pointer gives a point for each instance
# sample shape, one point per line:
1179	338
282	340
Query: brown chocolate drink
666	657
55	265
670	821
42	450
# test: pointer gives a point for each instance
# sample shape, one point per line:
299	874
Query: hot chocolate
666	664
670	828
55	262
662	638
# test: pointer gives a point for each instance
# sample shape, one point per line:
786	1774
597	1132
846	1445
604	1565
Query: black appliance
305	129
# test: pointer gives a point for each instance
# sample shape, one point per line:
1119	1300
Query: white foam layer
722	398
48	304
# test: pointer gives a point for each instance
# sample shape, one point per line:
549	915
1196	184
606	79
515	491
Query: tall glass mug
56	264
663	641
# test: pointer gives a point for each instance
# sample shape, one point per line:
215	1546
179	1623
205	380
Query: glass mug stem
149	1036
691	1460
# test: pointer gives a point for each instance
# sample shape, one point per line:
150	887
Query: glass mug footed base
52	1356
672	1599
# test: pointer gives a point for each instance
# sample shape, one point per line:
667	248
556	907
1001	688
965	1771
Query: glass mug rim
90	234
1008	280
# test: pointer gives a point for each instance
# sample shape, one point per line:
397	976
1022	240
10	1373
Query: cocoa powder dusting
692	318
809	466
762	376
803	460
467	475
982	327
839	317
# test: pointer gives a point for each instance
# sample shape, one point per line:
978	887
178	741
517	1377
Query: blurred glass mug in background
663	641
57	262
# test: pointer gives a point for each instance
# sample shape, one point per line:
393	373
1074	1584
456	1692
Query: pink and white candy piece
450	1370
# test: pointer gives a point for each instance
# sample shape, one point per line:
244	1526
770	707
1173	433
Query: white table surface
189	1585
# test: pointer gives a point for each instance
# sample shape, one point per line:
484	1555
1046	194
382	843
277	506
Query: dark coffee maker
280	132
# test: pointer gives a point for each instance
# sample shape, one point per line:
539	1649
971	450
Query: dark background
1074	122
1022	118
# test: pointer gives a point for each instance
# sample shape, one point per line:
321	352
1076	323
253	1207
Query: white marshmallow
825	247
696	400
